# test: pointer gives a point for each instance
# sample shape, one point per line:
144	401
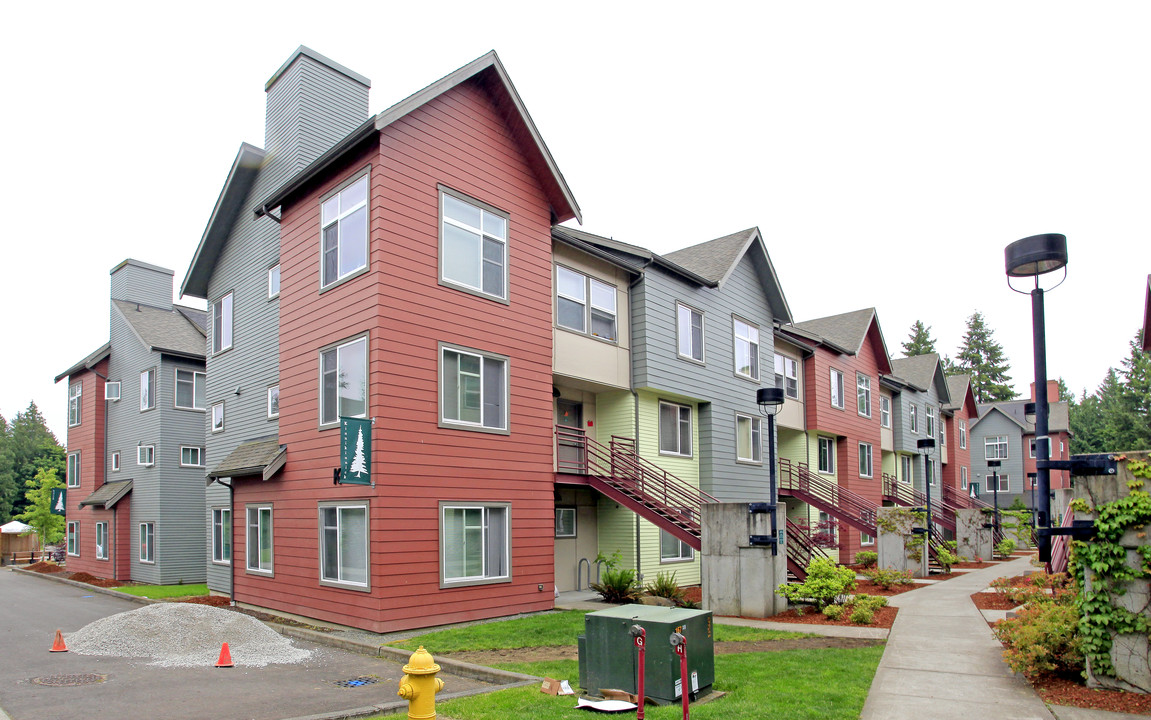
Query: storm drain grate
359	681
70	680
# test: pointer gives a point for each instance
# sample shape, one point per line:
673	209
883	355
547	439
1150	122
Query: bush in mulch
44	567
882	618
93	580
220	601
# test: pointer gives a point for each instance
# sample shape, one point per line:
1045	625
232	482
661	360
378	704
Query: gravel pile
185	635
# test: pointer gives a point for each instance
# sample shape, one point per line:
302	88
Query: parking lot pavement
36	684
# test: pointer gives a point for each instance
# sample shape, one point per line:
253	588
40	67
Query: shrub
946	559
665	586
862	615
833	612
872	602
866	559
617	585
1005	547
888	579
1043	638
826	581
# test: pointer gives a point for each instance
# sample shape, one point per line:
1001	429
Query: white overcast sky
888	151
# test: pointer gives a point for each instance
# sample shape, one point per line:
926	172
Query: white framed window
146	455
147	542
218	417
259	539
746	349
963	478
473	245
748	442
75	392
1004	483
475	543
112	391
101	541
787	375
826	455
1031	446
884	411
1031	481
863	394
274	281
222	535
191	456
574	312
942	430
907	466
675	432
836	389
116	461
865	539
344	232
929	471
865	464
913	418
689	329
344	381
930	420
73	538
147	389
190	388
672	549
222	324
565	522
344	544
74	469
995	447
962	434
473	389
274	402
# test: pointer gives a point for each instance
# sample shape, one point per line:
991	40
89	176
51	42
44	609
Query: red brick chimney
1052	391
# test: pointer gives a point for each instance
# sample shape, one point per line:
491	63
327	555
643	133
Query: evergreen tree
1064	393
49	527
949	366
1136	396
919	341
1086	425
8	486
31	447
982	358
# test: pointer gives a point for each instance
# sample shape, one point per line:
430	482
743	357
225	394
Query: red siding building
958	413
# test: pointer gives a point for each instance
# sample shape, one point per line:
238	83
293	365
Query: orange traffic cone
225	660
58	643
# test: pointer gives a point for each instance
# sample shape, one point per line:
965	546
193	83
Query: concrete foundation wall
895	526
972	539
740	579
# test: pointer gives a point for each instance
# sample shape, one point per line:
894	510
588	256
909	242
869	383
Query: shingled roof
256	457
959	388
172	332
89	362
1057	414
108	494
846	330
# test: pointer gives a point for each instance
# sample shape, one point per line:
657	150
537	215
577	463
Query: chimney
1052	391
139	282
312	103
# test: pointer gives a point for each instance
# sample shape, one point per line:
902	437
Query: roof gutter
323	162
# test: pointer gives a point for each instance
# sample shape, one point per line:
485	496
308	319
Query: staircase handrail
800	547
798	477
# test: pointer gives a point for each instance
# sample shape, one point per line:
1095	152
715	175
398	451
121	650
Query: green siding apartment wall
615	415
792	444
888	463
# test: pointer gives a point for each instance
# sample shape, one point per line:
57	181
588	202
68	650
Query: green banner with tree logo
59	501
355	451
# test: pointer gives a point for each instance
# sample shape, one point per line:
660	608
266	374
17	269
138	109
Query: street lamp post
994	465
1031	257
926	447
770	400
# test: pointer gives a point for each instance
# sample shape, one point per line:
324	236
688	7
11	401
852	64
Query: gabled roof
255	457
241	177
921	372
631	255
170	332
845	333
108	494
715	260
490	73
574	238
959	388
89	362
1013	410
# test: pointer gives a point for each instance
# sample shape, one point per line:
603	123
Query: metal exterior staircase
619	473
801	550
796	480
942	510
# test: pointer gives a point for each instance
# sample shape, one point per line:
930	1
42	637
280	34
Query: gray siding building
919	393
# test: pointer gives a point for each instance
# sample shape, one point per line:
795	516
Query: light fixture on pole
994	465
926	447
770	400
1031	257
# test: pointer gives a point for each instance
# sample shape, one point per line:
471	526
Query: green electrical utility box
608	656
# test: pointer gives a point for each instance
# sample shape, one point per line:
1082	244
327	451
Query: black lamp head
1036	255
769	399
925	445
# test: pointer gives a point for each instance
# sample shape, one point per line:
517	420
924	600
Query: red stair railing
797	480
801	549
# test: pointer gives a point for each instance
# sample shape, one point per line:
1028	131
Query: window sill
675	455
259	573
222	563
755	463
449	584
444	282
587	335
345	586
448	425
690	359
336	283
675	561
190	409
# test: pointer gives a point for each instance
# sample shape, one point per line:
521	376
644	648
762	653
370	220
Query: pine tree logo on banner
59	501
355	451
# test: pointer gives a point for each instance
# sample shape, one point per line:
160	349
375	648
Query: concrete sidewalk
942	661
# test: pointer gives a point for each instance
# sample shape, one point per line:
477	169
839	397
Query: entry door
571	449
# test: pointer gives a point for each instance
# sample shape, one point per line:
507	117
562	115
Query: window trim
929	420
669	560
830	468
224	323
150	375
360	174
225	540
679	419
445	422
199	456
75	403
212	420
73	482
196	374
756	433
150	544
885	411
116	461
963	477
336	347
913	418
702	359
868	542
1031	448
587	303
862	391
785	377
987	443
107	388
339	505
575	521
754	358
276	389
906	463
870	454
1002	479
274	271
962	434
102	549
72	538
834	390
444	505
259	568
483	207
151	451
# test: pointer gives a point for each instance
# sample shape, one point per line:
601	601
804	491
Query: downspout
631	385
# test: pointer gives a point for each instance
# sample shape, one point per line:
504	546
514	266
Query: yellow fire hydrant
419	685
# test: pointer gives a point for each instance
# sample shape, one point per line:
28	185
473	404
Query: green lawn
158	592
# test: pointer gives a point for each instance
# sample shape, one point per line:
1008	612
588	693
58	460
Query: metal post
772	493
640	636
1042	442
927	491
995	490
679	642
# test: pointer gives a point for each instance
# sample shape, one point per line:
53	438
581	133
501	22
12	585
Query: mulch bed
973	565
884	618
220	601
1062	691
866	587
992	601
44	567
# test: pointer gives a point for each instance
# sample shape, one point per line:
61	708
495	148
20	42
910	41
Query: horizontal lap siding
460	141
87	438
